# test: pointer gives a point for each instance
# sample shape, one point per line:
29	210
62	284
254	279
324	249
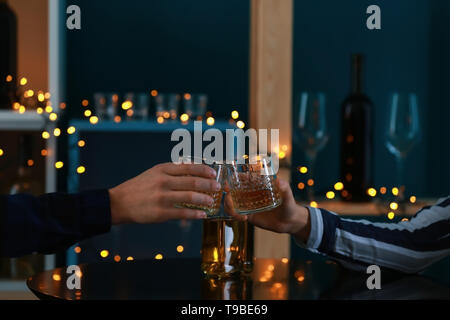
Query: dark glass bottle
356	138
8	55
23	267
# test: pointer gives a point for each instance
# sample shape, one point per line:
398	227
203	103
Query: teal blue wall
198	46
173	46
203	46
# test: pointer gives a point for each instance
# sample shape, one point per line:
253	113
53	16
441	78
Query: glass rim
254	159
198	160
263	159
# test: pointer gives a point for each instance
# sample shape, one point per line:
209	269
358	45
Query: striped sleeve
407	246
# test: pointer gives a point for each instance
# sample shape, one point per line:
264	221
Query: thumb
285	189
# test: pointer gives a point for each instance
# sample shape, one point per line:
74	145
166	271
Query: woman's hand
151	196
287	218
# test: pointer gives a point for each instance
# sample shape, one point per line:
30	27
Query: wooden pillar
32	41
271	91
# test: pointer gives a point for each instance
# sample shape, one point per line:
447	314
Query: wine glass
403	130
311	127
142	106
100	105
112	105
130	99
173	102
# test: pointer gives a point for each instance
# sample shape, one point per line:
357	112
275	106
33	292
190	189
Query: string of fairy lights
382	193
29	100
161	119
39	101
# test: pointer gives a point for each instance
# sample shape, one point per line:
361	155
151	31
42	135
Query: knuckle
163	182
212	185
196	169
185	214
160	182
205	170
160	216
196	184
158	212
160	198
207	199
184	167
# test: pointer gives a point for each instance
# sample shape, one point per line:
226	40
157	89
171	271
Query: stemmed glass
311	126
403	131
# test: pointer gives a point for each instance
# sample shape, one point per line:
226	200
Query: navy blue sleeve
51	222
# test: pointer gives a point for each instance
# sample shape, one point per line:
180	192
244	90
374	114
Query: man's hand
151	196
287	218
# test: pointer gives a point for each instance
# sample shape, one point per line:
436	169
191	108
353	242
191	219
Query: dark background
410	54
172	46
203	46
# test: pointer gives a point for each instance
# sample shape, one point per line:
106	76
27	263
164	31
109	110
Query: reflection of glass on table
226	289
271	279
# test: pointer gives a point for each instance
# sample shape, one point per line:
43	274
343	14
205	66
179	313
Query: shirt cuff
316	234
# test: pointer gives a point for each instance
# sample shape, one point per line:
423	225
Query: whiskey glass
253	186
213	210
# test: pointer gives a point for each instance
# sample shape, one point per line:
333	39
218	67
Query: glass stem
311	161
400	178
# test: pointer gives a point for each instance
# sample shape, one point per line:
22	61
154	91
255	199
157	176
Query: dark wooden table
181	279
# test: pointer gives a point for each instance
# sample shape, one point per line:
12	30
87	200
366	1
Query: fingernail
212	173
217	186
201	215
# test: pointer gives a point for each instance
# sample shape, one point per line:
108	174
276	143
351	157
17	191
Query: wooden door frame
271	50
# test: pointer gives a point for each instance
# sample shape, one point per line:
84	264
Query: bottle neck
357	74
